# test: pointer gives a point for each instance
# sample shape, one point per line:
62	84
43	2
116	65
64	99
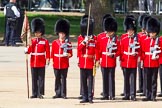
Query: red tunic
142	37
128	60
99	37
40	51
59	60
86	52
147	55
108	61
121	38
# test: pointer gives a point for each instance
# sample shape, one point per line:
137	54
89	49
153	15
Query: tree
98	9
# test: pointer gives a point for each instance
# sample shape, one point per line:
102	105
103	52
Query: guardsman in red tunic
99	37
109	49
87	51
151	49
60	53
103	34
40	56
121	38
83	33
130	49
141	35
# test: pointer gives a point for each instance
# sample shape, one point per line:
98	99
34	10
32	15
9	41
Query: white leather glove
86	39
65	54
25	50
97	64
47	63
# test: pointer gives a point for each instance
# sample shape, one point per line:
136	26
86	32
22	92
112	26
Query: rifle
112	46
155	50
134	45
65	47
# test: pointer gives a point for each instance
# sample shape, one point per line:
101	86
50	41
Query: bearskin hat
128	16
110	24
144	21
103	20
37	24
106	16
140	19
84	25
153	25
131	16
130	23
62	25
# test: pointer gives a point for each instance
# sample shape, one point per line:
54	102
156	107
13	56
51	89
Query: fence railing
56	5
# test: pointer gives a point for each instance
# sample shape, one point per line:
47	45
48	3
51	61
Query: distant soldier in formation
108	50
60	53
121	38
129	55
143	37
86	53
151	49
141	34
40	57
99	37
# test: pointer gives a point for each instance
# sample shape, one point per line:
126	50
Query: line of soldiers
134	49
142	50
60	53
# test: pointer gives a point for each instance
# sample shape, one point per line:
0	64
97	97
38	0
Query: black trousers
140	77
87	83
144	81
160	74
124	78
38	81
10	32
130	82
151	82
81	85
60	81
108	81
102	82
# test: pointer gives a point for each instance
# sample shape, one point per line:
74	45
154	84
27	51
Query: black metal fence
56	5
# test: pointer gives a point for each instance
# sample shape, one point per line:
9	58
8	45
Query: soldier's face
38	34
152	35
130	32
13	1
111	33
143	30
61	35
